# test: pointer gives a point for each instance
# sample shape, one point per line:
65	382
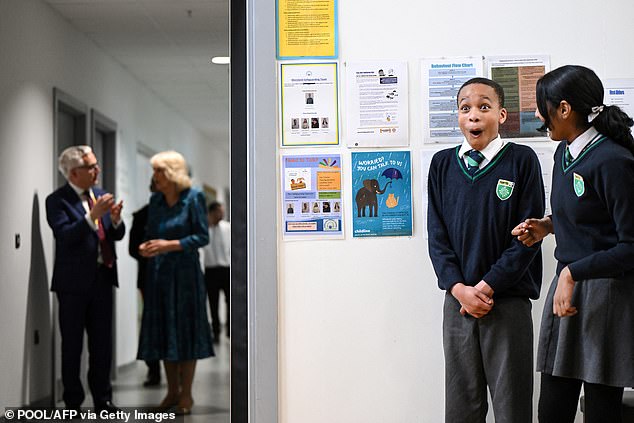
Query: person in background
137	235
217	264
174	327
86	222
587	329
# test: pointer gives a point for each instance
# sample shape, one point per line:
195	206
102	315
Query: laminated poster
518	76
306	28
312	204
309	107
441	79
382	194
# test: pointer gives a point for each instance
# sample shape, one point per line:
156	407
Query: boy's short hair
499	91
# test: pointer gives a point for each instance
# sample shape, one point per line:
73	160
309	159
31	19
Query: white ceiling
168	46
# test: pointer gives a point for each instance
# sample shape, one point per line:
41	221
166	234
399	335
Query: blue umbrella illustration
392	173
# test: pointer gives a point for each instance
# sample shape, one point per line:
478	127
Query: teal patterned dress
174	325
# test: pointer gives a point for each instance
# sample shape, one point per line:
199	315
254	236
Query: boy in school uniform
477	193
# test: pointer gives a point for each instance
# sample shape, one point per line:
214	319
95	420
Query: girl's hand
532	231
562	301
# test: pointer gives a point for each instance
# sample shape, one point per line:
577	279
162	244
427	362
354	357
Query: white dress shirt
489	152
577	146
218	252
84	202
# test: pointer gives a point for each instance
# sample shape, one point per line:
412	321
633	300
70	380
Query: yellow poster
306	28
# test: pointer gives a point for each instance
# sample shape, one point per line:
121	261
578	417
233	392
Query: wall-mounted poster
620	92
518	76
312	204
381	194
441	79
306	29
309	108
377	95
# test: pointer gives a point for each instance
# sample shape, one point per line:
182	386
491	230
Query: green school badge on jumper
504	189
578	184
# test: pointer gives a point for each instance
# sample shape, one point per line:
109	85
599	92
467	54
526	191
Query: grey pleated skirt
597	344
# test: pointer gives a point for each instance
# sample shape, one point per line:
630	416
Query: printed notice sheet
311	192
306	28
382	190
518	76
377	104
441	79
620	92
308	103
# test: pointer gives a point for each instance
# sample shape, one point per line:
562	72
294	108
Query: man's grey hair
71	158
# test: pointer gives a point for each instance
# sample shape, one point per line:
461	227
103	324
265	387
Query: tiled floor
211	388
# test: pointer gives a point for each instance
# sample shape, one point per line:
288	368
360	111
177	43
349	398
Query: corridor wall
39	51
360	319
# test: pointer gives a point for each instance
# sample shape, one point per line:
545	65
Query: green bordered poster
309	107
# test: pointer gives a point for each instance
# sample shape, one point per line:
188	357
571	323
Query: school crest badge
504	189
578	184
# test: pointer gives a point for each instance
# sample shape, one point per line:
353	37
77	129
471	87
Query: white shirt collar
80	192
579	143
489	152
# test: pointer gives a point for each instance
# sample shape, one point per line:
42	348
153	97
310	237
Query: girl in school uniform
587	329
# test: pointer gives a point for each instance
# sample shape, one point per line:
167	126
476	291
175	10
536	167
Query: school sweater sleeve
443	258
515	260
611	184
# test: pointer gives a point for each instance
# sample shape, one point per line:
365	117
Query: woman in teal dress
174	327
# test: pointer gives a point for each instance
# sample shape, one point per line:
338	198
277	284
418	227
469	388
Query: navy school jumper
470	219
592	211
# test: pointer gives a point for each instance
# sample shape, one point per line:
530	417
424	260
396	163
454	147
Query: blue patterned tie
474	158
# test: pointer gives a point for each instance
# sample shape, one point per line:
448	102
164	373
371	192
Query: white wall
39	51
360	319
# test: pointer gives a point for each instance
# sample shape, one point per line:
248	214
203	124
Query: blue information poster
381	194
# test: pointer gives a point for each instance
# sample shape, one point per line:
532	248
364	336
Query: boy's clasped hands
477	301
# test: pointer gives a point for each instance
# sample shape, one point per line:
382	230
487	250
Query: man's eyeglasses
89	167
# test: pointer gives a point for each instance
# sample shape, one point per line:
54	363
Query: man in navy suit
85	221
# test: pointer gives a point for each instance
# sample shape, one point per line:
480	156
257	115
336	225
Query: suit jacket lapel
74	200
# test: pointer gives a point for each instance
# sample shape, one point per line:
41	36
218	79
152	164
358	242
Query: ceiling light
220	60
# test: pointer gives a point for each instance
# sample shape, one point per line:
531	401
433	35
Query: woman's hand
532	231
562	301
154	247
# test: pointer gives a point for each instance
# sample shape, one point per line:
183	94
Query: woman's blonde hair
175	168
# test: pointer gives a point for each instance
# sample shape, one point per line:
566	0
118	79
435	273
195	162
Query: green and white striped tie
474	158
567	157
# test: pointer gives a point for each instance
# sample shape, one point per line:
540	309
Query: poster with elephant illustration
311	194
382	194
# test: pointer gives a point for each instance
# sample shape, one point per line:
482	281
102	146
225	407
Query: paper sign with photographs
311	196
309	104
